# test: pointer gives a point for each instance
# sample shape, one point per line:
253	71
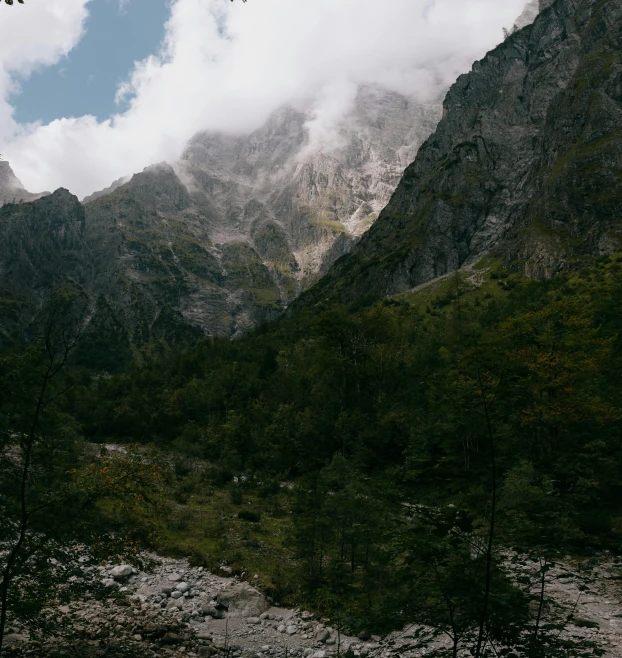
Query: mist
226	66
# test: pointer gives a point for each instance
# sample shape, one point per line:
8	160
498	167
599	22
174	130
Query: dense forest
396	453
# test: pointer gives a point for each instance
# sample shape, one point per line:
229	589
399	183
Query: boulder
242	600
12	639
321	635
121	572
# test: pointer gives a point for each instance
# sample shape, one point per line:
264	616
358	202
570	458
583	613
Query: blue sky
85	82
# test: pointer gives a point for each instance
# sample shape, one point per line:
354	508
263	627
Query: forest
391	461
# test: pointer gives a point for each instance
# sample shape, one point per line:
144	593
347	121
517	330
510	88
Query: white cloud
32	36
226	66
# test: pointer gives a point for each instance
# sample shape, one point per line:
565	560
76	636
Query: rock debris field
178	610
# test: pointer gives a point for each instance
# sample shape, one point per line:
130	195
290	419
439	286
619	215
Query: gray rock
322	635
242	600
176	594
279	212
121	572
505	172
182	587
13	639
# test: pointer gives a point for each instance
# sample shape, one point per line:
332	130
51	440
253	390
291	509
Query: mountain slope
525	164
319	195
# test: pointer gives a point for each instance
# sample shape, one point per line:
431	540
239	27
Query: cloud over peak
225	66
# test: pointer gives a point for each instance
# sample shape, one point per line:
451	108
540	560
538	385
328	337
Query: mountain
111	188
11	188
525	164
223	239
316	199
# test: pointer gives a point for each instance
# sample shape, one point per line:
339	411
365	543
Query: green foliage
375	442
62	506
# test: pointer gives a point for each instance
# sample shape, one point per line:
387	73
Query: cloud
226	66
34	35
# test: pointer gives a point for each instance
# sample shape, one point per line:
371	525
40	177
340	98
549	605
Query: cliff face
223	239
318	197
234	231
526	162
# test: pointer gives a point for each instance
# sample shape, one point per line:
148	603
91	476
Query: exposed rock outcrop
525	163
221	241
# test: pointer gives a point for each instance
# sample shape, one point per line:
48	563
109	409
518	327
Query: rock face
301	205
220	241
525	163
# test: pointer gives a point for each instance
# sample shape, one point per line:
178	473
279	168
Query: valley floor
143	618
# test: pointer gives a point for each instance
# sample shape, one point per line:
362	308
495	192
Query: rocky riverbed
173	609
178	610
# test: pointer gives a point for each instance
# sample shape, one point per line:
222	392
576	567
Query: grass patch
246	531
265	296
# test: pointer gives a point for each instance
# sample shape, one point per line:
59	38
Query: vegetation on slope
372	461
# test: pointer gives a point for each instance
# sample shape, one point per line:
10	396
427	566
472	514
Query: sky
93	90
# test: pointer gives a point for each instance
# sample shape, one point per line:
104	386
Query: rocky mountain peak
158	186
523	164
227	236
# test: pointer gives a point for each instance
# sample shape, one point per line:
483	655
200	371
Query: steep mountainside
316	198
222	240
525	164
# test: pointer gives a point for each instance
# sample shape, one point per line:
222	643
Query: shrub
247	515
